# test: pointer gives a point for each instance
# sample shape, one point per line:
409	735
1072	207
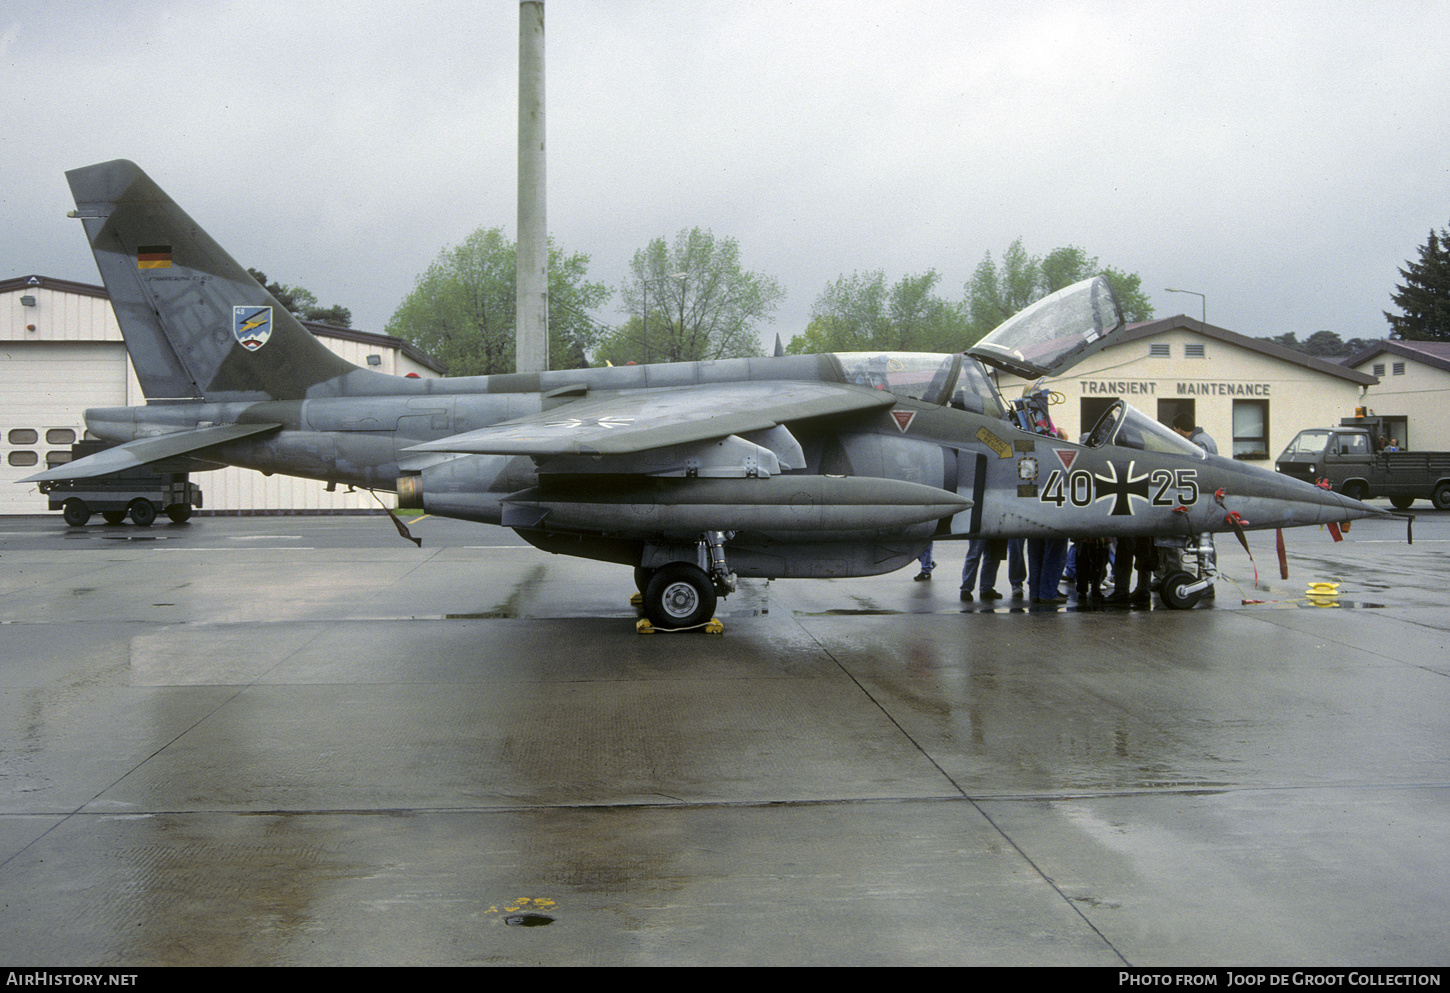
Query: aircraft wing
144	451
630	423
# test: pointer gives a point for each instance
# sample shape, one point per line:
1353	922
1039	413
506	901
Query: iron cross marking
1120	486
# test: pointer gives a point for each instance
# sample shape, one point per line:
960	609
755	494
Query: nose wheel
1175	591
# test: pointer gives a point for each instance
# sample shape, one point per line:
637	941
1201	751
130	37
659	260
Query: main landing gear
683	594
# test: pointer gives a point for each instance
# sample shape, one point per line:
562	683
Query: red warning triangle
904	418
1067	456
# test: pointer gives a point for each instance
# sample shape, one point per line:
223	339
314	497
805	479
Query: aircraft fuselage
1019	483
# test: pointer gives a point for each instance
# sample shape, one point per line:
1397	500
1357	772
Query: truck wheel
114	516
1355	490
1441	497
1401	503
75	512
1172	591
179	513
142	513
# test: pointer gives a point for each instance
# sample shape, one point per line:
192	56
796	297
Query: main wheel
1172	592
114	516
1441	497
679	595
179	513
1401	502
142	513
75	512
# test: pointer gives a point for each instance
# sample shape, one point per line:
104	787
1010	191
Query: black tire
1172	592
143	513
75	512
642	577
1401	502
1441	497
114	516
1355	490
179	513
679	595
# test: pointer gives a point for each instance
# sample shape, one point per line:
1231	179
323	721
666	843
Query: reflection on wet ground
268	741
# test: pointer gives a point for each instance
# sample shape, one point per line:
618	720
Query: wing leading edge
636	422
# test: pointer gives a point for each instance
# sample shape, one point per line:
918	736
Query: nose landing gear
1184	586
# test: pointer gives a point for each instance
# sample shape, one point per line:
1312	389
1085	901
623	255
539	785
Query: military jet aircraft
693	473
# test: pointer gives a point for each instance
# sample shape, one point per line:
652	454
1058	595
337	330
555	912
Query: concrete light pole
531	330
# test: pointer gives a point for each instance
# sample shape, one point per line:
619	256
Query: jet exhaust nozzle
410	493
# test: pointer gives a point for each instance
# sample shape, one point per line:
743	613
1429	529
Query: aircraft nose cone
1281	498
1340	508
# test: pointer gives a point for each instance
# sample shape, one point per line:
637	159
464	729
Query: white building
1250	395
1412	392
61	351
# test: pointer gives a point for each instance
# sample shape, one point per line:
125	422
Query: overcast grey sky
1282	158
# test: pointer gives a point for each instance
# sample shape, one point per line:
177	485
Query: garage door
45	388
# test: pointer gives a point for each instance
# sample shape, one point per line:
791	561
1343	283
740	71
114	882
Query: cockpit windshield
1054	333
1128	427
956	379
975	391
917	375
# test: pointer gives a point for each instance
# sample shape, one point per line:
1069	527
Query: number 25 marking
1186	480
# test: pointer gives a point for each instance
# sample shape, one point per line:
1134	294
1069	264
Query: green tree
1424	296
995	292
691	300
861	313
461	311
302	303
1324	344
623	345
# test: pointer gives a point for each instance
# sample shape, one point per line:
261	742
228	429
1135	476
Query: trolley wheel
143	513
75	512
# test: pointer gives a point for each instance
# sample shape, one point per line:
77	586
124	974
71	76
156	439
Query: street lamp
1202	299
644	304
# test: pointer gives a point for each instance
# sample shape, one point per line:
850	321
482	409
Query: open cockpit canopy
1055	333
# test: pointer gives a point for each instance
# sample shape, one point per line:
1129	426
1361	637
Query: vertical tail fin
196	325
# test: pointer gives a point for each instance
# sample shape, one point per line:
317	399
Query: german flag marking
153	257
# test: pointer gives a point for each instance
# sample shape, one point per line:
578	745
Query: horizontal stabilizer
144	451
